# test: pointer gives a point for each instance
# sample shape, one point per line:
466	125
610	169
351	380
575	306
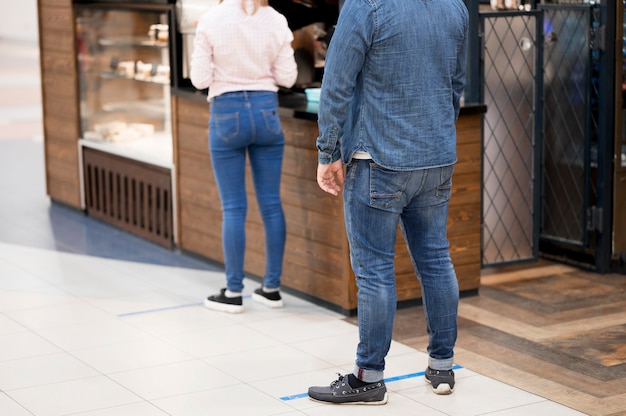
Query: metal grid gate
512	92
570	91
546	174
579	135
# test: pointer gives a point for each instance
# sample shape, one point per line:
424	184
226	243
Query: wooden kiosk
316	263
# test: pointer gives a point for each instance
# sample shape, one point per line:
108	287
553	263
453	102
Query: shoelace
340	379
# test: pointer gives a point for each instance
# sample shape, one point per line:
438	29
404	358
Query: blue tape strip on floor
387	380
285	398
167	308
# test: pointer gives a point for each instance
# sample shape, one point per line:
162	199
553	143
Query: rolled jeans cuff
368	376
441	365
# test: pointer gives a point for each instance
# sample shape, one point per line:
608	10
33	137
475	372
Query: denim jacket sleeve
459	77
344	61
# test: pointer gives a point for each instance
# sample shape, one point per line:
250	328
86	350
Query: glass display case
124	60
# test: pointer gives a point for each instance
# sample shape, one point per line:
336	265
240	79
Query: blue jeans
376	200
247	122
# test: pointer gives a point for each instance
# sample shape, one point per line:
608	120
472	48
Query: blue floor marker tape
166	308
387	380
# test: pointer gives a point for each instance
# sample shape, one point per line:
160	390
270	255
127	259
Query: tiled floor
96	322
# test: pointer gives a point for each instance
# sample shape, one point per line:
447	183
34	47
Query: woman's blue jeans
247	122
376	200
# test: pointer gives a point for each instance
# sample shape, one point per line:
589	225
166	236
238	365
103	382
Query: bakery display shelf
150	80
154	149
153	109
136	41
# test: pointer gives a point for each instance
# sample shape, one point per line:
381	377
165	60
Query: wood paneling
60	100
57	3
131	195
56	17
61	65
317	261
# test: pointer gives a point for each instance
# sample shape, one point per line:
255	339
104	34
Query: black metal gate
576	133
546	176
512	91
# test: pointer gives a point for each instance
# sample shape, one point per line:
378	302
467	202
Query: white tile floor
84	335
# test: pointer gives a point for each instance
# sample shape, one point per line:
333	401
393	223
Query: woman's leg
266	156
229	134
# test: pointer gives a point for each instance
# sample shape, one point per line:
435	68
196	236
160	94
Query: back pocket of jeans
226	126
386	186
272	121
444	190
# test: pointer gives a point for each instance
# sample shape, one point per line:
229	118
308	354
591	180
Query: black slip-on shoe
269	299
223	303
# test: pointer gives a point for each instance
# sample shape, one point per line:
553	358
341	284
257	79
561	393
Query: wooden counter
316	262
59	85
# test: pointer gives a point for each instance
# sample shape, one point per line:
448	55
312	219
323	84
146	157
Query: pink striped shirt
234	51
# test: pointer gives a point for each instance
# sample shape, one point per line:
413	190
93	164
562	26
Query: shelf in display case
151	109
137	41
155	149
160	80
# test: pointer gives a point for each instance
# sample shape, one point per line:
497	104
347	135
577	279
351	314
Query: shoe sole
223	307
442	388
376	403
269	303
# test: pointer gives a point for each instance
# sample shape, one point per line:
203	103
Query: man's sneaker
223	303
340	392
270	299
442	381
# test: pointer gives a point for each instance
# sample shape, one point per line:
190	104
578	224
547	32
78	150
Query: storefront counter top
296	101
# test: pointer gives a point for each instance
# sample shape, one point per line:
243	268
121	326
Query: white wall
18	20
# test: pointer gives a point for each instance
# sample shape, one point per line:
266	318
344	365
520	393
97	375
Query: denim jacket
393	79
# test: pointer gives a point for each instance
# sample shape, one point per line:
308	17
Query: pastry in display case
124	73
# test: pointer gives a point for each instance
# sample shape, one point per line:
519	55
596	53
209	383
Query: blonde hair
256	4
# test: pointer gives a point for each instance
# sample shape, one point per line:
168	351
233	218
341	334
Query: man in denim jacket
394	75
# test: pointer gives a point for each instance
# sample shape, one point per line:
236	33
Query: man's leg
424	224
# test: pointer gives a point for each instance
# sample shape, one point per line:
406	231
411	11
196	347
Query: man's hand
330	177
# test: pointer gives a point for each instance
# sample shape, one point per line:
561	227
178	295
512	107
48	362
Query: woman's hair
255	5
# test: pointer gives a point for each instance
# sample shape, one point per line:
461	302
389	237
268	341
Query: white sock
230	294
266	290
